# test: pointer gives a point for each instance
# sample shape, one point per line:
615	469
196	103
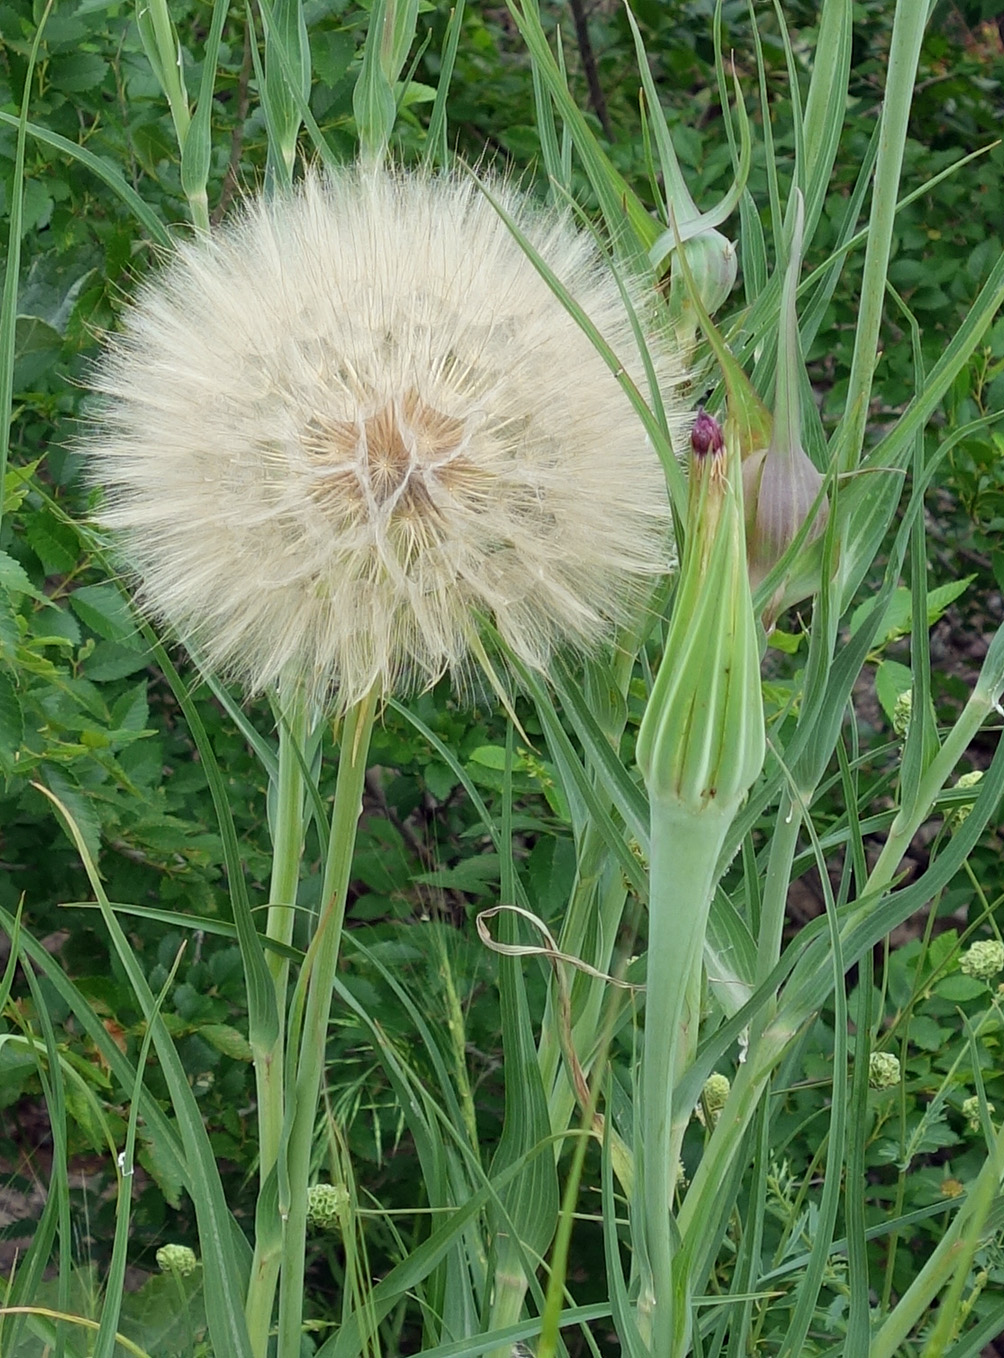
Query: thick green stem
685	849
315	987
287	850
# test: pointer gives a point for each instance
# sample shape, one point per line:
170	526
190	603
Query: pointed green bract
701	742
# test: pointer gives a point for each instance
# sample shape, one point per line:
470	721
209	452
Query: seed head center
388	463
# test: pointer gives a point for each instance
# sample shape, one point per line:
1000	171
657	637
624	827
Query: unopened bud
712	263
702	262
701	743
781	484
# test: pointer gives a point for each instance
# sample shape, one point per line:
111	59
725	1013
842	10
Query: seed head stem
313	997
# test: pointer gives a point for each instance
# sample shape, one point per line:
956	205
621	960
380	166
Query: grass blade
12	267
224	1286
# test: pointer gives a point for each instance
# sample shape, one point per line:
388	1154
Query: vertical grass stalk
685	853
314	992
287	849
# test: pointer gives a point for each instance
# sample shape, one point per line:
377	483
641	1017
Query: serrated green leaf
960	988
78	71
927	1034
131	712
113	660
53	542
470	874
103	609
81	807
490	756
897	620
9	634
14	578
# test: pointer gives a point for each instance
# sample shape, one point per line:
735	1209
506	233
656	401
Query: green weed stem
685	849
287	849
314	992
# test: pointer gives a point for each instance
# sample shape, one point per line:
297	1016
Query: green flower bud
325	1205
983	960
701	743
971	1112
177	1259
884	1070
700	281
712	264
781	483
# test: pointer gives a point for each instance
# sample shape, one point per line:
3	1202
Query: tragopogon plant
337	435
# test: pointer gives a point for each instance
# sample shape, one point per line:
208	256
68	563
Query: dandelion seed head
358	421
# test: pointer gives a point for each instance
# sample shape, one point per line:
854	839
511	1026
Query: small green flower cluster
983	960
961	813
971	1111
177	1259
716	1090
325	1205
884	1070
901	713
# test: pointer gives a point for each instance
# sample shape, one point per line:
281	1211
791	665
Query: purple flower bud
706	435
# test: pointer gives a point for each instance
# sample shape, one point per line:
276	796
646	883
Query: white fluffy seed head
357	422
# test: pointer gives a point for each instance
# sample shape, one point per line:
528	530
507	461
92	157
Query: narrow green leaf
263	1017
12	267
901	70
437	149
224	1285
197	147
104	1344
